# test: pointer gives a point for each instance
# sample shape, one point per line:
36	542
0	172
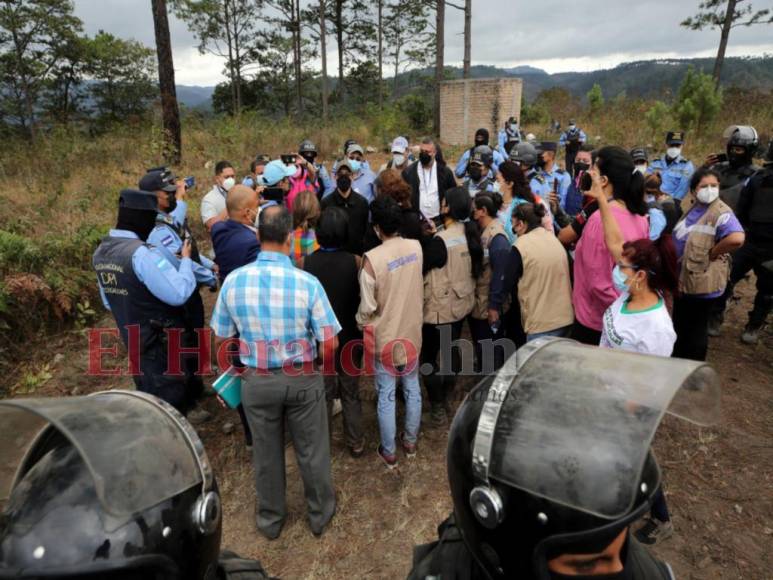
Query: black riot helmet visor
113	485
540	465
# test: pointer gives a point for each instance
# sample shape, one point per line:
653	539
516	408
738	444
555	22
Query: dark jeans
172	389
585	335
659	508
194	318
441	379
488	356
691	324
346	387
270	401
750	257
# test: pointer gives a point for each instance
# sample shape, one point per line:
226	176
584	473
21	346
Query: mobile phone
721	157
288	159
190	182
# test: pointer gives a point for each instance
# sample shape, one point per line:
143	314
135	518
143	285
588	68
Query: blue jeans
386	383
562	332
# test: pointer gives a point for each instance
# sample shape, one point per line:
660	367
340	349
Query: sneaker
751	334
408	448
389	459
198	416
437	416
715	324
654	531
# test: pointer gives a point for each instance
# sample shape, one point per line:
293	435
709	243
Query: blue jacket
502	139
235	245
676	176
461	165
565	137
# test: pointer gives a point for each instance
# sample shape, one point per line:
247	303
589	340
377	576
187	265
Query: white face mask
673	152
496	187
708	194
572	127
228	183
641	168
398	159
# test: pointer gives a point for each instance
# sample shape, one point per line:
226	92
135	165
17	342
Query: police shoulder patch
162	263
167	240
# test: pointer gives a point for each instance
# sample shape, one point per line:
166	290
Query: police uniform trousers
154	377
194	319
751	256
271	399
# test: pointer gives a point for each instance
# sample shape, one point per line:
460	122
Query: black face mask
344	183
475	173
171	200
541	162
310	157
579	166
425	158
139	221
736	160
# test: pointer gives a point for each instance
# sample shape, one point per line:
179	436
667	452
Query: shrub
698	102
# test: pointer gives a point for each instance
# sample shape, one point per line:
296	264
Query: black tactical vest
761	210
130	300
732	180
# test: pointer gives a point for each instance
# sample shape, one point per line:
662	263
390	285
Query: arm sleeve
745	199
501	141
657	223
434	252
221	322
324	323
562	139
179	213
461	165
162	279
208	210
499	250
499	158
684	182
368	304
583	136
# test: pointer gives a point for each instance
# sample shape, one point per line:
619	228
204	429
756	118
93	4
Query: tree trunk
237	57
323	54
340	40
726	26
467	37
230	64
380	55
439	47
170	109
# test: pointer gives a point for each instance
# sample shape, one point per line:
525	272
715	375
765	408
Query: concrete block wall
467	105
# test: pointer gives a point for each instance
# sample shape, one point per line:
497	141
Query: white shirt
212	204
649	331
429	198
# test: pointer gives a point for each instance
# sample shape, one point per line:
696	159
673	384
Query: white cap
400	145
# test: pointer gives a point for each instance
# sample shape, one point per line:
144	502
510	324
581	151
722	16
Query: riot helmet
525	154
308	150
540	466
744	136
482	154
113	485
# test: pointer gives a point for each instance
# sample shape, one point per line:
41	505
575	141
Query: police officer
755	212
481	138
168	235
118	487
742	144
322	182
547	475
509	137
480	175
572	139
525	154
145	291
675	170
555	180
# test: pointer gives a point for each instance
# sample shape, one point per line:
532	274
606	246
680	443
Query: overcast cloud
556	35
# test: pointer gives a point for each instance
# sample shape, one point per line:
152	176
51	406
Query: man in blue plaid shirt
280	313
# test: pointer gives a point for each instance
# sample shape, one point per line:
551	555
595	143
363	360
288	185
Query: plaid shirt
278	310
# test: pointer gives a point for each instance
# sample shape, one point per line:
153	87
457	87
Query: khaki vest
699	274
397	267
449	292
480	310
544	290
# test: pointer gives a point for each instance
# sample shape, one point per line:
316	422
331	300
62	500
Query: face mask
572	127
641	168
356	165
425	158
736	160
308	157
619	279
513	127
475	173
496	188
673	152
398	159
228	183
541	162
344	183
171	200
708	194
579	167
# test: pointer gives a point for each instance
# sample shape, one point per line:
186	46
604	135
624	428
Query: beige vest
699	274
397	267
449	292
544	290
480	310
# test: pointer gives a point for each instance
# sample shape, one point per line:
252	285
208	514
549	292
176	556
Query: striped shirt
304	244
279	311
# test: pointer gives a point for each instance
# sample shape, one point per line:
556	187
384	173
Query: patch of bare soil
718	481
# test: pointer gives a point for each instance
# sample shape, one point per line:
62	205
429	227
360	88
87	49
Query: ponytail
491	201
669	276
475	247
459	208
529	213
658	260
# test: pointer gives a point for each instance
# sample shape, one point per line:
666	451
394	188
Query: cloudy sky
556	35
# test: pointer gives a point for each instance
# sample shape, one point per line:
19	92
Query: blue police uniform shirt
461	165
476	187
324	178
502	139
564	181
169	284
676	176
362	184
564	139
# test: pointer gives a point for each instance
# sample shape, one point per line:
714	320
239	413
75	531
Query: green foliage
714	12
595	99
697	103
32	380
418	111
657	117
534	114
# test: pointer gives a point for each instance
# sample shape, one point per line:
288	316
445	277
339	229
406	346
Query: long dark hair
657	259
628	185
513	173
530	213
491	201
459	208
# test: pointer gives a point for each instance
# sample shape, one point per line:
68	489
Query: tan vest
544	290
699	274
480	310
397	267
449	292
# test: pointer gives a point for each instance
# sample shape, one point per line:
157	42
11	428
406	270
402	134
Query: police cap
159	178
639	154
135	199
675	138
548	146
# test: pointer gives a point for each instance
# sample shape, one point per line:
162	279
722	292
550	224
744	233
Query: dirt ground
719	481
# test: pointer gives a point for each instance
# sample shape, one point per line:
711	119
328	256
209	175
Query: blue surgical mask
619	279
356	165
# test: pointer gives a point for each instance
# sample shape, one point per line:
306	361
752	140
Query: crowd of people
357	271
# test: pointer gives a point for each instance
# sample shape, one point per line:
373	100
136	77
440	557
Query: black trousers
691	324
489	356
585	335
154	363
441	380
750	257
194	318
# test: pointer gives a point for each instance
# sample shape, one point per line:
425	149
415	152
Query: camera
288	158
190	182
